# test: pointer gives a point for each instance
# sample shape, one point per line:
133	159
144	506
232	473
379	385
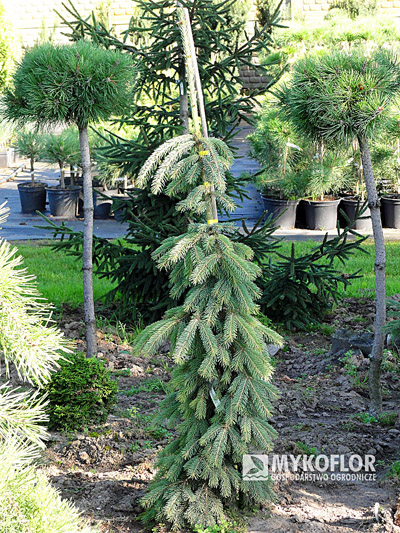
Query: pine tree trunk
62	177
380	280
87	258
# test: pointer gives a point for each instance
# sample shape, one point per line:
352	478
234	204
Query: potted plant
276	148
354	193
32	195
324	178
108	196
387	154
63	201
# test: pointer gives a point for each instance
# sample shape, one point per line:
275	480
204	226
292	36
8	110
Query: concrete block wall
28	17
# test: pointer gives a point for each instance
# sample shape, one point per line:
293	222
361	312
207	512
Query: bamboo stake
200	100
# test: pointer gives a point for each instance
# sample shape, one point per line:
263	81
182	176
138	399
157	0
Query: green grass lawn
60	277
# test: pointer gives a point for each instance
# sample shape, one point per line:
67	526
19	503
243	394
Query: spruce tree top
339	96
221	47
69	84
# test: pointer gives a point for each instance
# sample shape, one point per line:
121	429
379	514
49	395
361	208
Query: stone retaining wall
30	18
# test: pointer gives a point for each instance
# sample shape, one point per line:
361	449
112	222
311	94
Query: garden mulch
105	469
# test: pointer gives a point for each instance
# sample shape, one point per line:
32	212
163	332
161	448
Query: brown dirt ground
105	469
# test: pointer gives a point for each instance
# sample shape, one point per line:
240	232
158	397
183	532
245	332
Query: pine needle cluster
34	347
69	84
338	96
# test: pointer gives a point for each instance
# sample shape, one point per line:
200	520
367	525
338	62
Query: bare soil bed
105	469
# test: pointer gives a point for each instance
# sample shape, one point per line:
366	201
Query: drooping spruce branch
221	396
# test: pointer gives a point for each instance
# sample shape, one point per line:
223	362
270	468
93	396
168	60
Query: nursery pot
391	211
32	197
321	215
284	209
81	212
102	205
301	215
63	202
349	206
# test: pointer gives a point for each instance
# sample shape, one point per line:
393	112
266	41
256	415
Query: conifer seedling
221	395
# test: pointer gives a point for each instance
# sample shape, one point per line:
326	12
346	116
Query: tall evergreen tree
157	112
221	396
160	108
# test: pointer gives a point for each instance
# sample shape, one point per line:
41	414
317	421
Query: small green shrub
223	527
384	419
299	289
81	392
395	469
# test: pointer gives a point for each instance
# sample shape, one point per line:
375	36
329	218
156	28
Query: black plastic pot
284	209
63	202
80	202
32	197
321	215
102	210
349	206
102	205
301	215
391	211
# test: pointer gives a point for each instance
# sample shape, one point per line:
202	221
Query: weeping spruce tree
220	396
335	98
79	85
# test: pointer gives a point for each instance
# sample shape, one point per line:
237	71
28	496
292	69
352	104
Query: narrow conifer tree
220	396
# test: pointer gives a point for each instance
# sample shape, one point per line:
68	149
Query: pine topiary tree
221	396
335	98
77	85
